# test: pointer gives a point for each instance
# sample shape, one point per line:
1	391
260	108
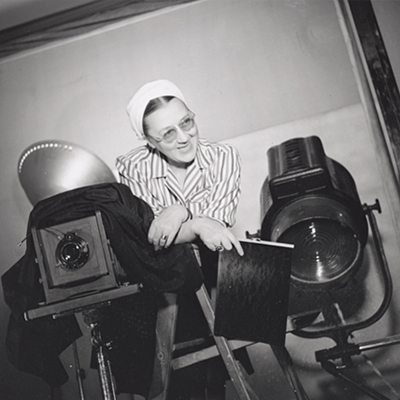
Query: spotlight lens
325	250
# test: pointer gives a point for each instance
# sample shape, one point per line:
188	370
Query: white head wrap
143	96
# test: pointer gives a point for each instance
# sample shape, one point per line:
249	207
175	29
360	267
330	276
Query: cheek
195	138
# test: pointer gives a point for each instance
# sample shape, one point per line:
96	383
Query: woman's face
165	120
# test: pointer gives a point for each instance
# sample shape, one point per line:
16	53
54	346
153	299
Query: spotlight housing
311	201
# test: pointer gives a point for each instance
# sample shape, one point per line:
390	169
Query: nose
181	136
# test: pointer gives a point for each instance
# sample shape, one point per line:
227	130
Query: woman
192	185
193	188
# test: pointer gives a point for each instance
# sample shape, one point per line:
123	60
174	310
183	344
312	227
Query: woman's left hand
215	236
165	227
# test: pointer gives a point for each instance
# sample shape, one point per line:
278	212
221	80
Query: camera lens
72	251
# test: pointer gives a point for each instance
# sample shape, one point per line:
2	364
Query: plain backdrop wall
244	66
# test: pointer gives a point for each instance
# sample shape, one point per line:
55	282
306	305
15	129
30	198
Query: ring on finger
219	248
164	238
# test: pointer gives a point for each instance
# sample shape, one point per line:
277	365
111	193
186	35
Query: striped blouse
211	187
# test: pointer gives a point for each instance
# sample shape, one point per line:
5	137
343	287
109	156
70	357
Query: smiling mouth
187	145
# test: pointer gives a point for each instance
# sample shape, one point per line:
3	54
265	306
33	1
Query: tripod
88	305
340	334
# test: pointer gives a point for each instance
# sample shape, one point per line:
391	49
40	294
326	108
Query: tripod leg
165	332
286	363
79	372
107	384
330	367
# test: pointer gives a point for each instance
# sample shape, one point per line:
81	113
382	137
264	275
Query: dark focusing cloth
34	346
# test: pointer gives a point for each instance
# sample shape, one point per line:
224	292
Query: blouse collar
159	165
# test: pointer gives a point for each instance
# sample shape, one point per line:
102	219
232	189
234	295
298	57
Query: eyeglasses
186	125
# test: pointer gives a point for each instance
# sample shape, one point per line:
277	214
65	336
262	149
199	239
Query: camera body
75	259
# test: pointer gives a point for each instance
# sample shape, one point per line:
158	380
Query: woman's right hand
214	235
165	227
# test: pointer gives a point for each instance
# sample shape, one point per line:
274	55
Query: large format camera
77	264
75	258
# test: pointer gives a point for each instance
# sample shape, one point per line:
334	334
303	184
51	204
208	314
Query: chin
188	159
189	155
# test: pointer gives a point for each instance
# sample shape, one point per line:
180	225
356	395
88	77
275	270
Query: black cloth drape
34	346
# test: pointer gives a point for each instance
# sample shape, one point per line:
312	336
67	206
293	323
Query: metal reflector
51	167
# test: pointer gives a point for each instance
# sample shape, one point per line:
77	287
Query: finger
233	240
238	247
170	239
226	243
163	240
211	246
154	236
152	233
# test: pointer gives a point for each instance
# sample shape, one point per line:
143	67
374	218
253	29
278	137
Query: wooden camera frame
64	277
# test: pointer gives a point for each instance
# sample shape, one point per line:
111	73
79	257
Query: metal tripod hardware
345	350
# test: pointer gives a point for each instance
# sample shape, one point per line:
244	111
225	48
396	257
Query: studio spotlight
311	201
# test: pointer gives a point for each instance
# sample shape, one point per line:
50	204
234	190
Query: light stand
345	350
311	201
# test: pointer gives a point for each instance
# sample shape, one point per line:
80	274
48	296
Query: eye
187	122
169	135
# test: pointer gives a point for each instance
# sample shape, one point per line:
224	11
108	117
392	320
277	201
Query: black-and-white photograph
199	199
